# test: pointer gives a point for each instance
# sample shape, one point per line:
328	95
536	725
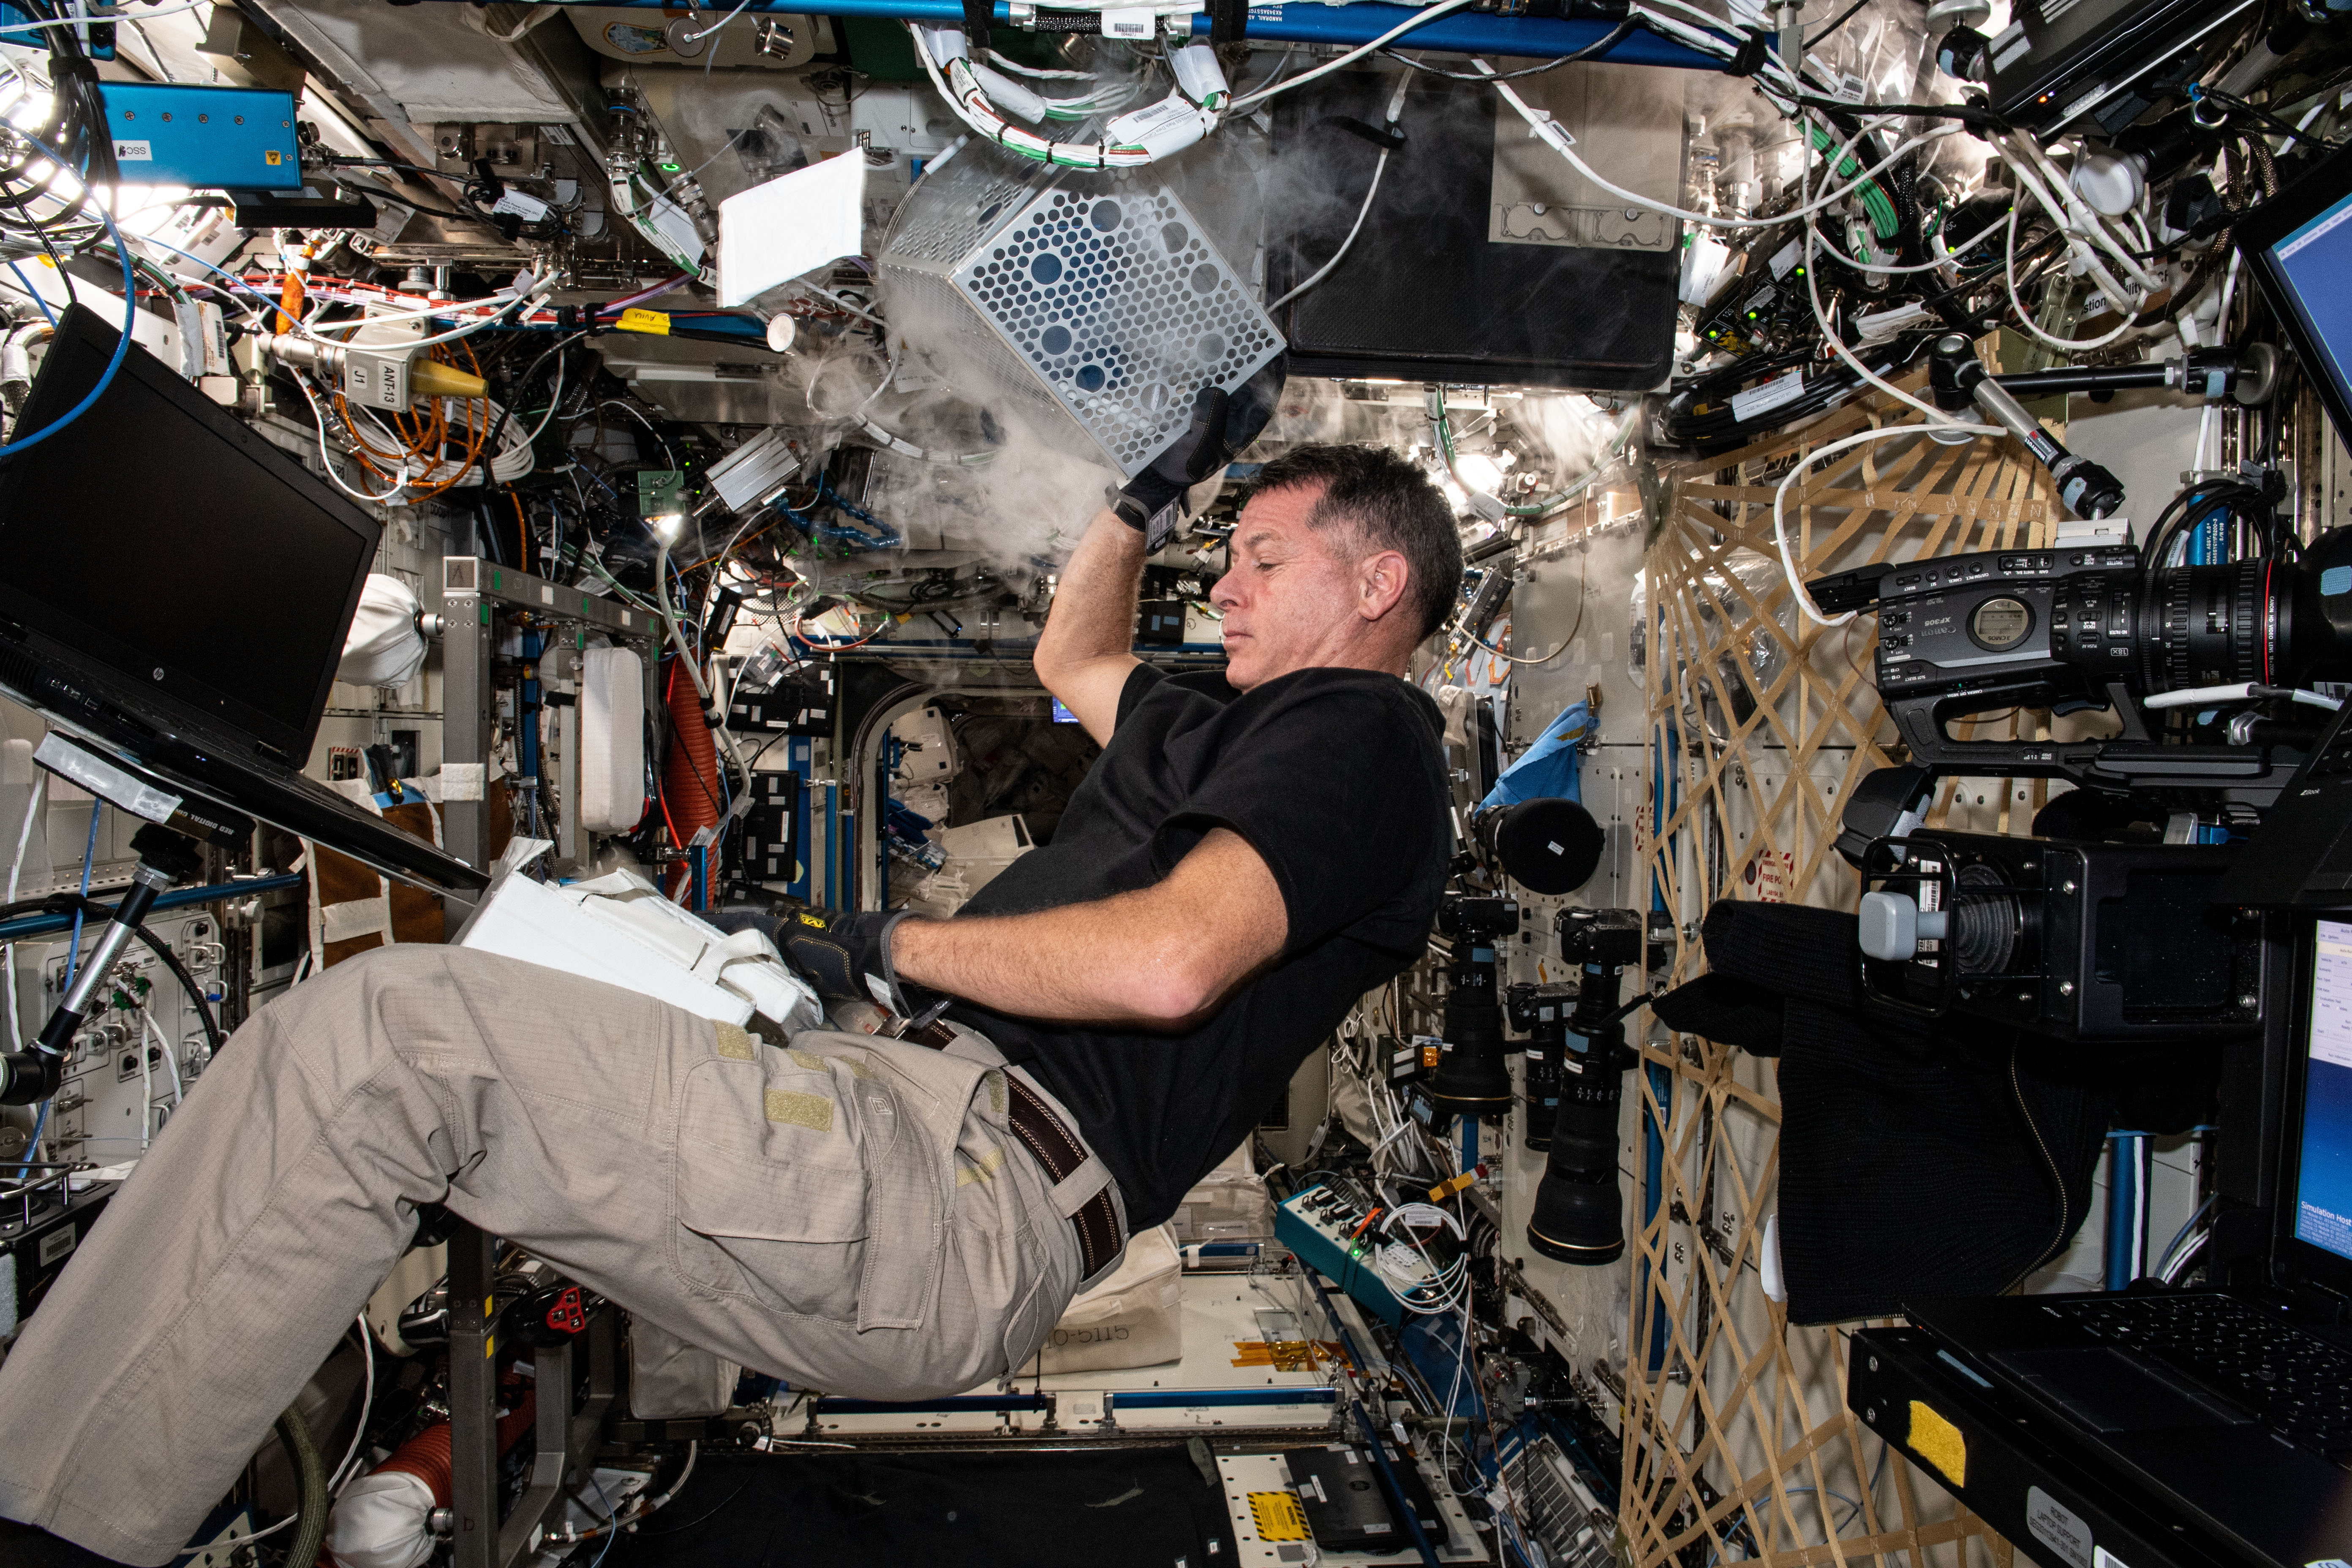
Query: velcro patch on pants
814	1112
969	1170
734	1043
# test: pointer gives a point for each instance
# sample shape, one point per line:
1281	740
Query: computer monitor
2322	1151
174	544
2298	246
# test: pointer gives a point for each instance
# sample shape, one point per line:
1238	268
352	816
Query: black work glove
841	953
1223	424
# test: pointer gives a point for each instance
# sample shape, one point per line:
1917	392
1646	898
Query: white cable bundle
1445	1290
1128	143
511	461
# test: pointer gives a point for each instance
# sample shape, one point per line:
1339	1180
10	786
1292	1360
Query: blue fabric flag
1545	770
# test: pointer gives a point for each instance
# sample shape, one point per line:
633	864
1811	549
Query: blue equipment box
224	138
1325	1228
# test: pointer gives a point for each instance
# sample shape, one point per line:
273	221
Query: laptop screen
2299	247
2324	1159
156	535
2314	261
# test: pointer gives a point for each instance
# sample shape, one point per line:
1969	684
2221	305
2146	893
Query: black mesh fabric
1918	1157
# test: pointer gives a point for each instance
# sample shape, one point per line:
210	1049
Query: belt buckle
924	1028
899	1028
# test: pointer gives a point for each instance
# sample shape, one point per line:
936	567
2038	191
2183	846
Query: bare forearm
1051	965
1094	602
1162	957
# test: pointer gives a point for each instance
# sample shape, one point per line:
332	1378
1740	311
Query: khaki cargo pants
852	1214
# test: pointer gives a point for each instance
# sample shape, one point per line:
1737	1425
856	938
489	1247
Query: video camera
2100	627
2075	942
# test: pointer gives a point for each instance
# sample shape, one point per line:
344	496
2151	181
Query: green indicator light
671	168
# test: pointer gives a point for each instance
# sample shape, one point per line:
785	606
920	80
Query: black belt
1056	1148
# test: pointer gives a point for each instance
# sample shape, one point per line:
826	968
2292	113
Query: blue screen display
1062	714
2324	1185
2315	261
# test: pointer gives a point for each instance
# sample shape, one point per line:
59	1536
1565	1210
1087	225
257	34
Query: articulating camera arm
164	857
1961	381
1958	380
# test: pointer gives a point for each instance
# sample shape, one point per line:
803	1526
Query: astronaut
873	1216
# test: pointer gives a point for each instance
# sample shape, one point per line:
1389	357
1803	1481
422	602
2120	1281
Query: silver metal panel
1099	301
1632	118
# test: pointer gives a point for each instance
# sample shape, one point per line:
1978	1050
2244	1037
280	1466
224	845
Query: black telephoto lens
1579	1216
1579	1211
1472	1079
1547	844
1540	1013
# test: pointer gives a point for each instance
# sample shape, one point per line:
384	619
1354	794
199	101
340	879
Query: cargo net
1761	722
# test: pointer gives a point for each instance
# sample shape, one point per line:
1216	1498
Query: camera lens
1472	1079
1548	846
2264	621
2204	625
1579	1211
1579	1215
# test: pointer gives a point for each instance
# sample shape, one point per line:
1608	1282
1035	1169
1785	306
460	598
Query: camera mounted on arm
2101	625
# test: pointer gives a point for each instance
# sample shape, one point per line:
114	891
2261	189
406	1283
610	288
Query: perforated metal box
1088	299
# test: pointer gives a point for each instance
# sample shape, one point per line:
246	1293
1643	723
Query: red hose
690	773
426	1455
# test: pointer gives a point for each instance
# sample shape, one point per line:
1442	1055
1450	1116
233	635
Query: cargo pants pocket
769	1187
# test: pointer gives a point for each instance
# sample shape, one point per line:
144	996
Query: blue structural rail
1542	37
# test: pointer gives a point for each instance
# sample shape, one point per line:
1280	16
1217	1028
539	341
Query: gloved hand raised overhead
1223	425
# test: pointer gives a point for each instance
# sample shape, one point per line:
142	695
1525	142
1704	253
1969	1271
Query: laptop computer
2298	247
2219	1420
176	591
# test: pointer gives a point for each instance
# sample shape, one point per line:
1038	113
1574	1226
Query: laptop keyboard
2294	1383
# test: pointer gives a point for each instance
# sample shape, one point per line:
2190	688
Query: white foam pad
611	740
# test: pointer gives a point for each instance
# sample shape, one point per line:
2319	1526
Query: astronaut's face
1299	596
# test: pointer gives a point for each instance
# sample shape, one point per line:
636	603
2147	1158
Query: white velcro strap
1077	1189
355	917
733	949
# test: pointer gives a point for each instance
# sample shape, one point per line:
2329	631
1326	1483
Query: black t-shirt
1336	778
